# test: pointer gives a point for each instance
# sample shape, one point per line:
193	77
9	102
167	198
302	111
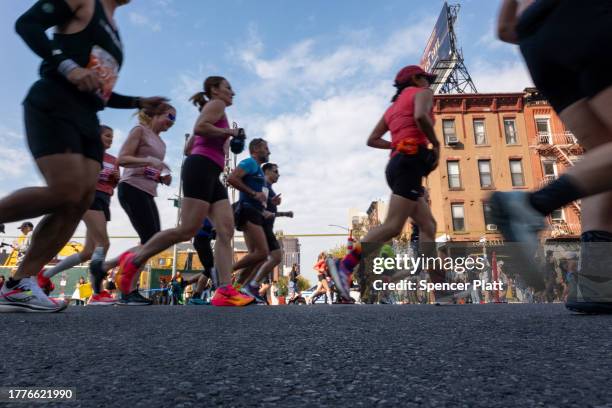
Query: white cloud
141	20
504	76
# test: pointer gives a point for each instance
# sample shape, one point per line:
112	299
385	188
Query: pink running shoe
229	296
128	271
101	299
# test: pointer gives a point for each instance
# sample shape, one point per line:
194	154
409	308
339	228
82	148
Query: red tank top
399	118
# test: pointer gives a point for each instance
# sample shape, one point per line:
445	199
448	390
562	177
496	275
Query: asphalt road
293	356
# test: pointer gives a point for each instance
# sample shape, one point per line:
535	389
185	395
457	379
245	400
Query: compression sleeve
123	102
32	24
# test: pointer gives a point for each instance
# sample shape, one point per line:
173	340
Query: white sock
66	263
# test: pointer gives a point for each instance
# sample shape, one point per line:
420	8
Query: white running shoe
27	296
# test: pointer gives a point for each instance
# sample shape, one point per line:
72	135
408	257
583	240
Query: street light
339	226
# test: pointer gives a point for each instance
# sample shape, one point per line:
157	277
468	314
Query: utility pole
177	204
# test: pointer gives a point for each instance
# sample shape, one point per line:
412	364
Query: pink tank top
212	147
151	145
400	119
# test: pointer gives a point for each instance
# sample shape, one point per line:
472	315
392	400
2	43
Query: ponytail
400	88
199	100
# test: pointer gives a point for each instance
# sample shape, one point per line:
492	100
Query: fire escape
562	146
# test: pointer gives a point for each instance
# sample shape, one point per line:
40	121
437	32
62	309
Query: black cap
26	224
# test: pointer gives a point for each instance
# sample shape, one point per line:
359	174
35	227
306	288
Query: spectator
2	279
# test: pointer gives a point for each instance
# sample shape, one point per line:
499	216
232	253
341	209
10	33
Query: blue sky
311	77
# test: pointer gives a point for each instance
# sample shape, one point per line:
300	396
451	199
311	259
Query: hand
86	80
238	133
276	200
290	214
152	102
166	179
259	196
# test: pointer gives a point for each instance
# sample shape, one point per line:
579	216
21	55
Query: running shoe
520	223
341	276
27	296
101	299
134	298
589	296
228	296
44	283
127	272
196	301
253	291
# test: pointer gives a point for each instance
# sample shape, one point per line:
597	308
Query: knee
225	231
74	198
276	258
185	232
260	254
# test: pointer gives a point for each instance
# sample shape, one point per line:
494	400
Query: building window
510	131
516	172
549	170
162	261
454	175
557	215
480	135
458	217
486	211
448	130
484	169
543	129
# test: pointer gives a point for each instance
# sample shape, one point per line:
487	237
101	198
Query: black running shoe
134	299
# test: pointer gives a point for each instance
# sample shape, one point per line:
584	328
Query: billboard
439	48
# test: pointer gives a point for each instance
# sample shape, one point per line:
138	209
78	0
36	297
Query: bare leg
258	246
223	219
97	236
273	260
54	230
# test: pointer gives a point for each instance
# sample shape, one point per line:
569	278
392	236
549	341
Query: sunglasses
171	117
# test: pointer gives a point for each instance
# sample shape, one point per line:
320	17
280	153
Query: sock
352	258
66	263
557	194
98	254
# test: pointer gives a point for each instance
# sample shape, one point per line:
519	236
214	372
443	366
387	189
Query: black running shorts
244	213
567	46
56	123
201	179
102	203
405	173
270	237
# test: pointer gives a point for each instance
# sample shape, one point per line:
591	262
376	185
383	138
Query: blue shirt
207	229
254	178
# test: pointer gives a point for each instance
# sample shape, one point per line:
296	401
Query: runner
79	70
96	219
260	283
250	212
322	285
410	121
202	243
204	195
576	82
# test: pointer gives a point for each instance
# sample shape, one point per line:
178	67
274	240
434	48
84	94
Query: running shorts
405	173
567	46
56	123
102	203
201	179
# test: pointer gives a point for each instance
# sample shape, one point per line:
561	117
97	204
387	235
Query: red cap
406	73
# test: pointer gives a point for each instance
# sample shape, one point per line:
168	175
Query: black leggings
204	250
141	209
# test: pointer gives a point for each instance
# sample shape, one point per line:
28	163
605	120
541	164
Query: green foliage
283	286
303	283
339	251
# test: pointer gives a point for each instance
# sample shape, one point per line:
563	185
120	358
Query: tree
282	285
302	283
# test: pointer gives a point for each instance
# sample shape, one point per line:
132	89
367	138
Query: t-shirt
270	206
109	175
254	178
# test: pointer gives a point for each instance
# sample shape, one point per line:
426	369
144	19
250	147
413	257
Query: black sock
11	283
557	194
